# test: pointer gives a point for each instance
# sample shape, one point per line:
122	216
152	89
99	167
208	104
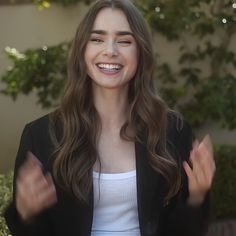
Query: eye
96	40
125	42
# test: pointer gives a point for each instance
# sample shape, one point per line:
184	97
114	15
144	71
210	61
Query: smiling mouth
109	68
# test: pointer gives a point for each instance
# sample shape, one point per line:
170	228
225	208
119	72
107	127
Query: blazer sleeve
178	218
38	226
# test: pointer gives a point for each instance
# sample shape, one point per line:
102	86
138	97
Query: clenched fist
34	190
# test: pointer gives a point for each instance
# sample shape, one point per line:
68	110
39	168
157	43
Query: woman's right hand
34	190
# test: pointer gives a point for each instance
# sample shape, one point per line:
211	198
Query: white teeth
109	66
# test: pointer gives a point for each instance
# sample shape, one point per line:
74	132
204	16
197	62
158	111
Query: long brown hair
76	149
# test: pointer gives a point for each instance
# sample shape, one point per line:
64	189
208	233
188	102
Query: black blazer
71	218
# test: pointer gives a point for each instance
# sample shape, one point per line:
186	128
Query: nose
111	49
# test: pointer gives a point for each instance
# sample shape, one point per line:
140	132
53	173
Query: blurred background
195	47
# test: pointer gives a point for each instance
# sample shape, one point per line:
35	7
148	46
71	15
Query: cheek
87	55
134	58
90	52
88	58
134	52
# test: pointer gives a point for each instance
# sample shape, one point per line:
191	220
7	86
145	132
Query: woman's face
111	54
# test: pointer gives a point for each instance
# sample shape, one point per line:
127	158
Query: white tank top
115	205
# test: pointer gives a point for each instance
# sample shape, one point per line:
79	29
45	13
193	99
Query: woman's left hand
201	173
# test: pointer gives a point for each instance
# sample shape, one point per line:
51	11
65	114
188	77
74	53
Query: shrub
5	196
224	186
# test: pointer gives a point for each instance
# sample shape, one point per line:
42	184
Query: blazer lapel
150	192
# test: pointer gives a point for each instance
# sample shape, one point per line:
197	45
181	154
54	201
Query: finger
31	200
189	172
35	198
30	163
207	148
25	168
197	168
30	176
33	159
206	151
19	187
207	163
44	184
23	195
49	179
29	188
195	143
208	143
50	182
206	158
47	197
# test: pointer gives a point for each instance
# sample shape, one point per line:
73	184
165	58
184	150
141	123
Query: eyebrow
119	33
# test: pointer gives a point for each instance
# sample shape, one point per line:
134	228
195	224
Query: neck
112	107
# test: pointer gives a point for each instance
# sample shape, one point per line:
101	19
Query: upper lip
109	63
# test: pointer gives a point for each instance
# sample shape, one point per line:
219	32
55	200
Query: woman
112	160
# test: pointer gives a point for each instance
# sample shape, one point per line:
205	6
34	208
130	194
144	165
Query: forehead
111	19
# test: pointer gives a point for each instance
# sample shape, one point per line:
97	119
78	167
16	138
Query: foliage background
5	196
206	32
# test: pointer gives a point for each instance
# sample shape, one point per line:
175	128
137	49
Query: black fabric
70	217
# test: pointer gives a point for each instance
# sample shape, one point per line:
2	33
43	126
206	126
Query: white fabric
115	205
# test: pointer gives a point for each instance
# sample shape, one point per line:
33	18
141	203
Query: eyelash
125	42
96	40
